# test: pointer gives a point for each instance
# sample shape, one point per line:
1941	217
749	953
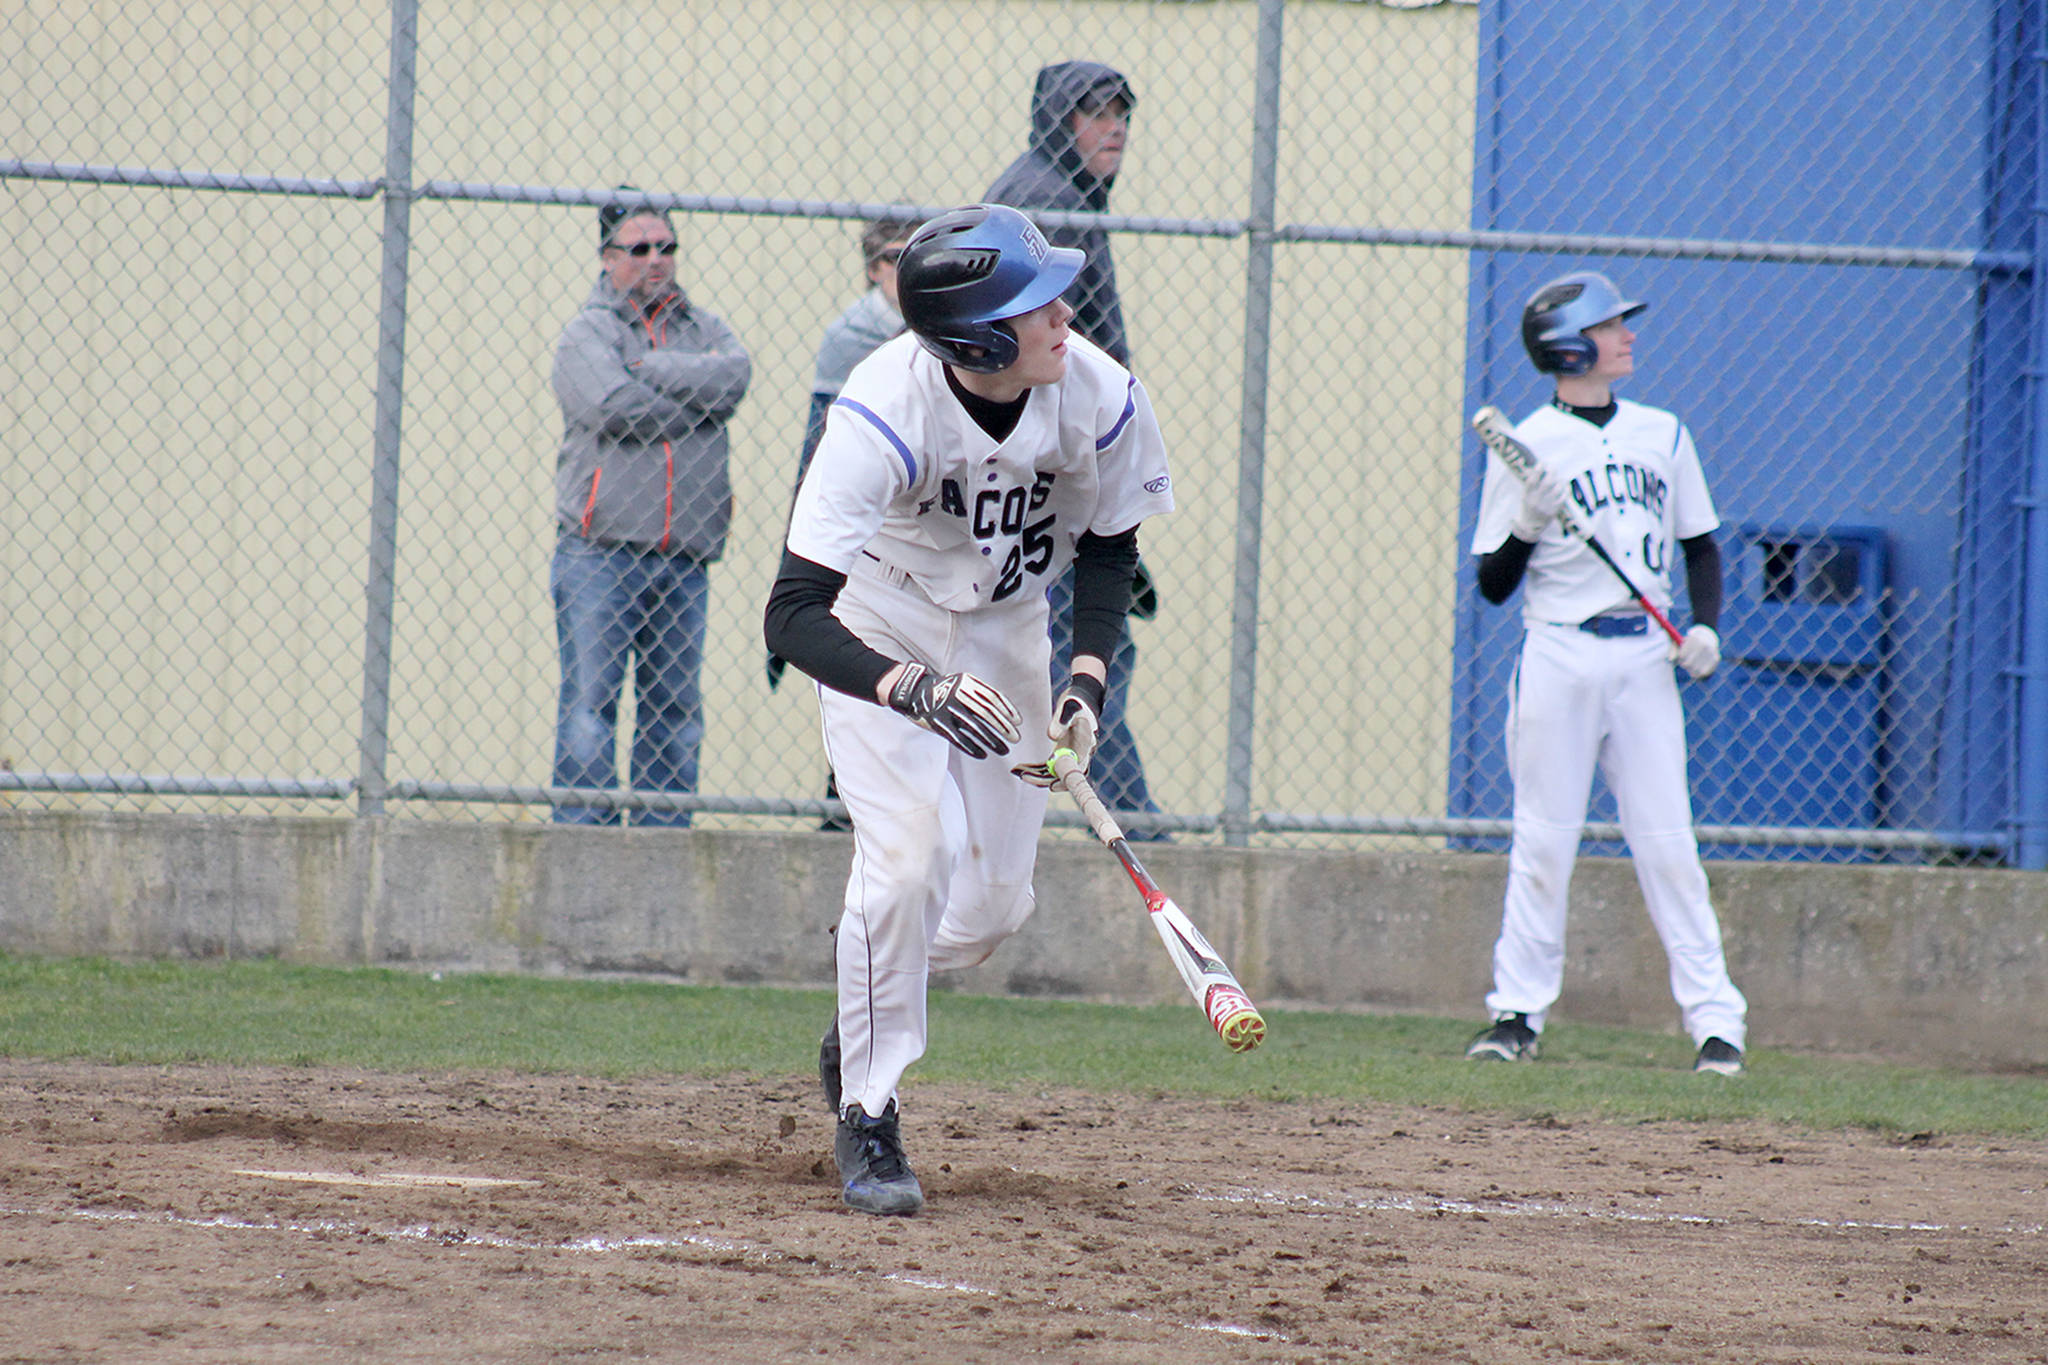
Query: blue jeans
1116	770
612	603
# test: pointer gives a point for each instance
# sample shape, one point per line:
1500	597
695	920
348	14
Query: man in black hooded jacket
1080	121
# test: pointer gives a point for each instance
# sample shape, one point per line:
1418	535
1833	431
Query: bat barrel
1235	1018
1230	1011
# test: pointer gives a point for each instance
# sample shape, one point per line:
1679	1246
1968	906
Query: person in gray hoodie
643	501
868	321
1080	122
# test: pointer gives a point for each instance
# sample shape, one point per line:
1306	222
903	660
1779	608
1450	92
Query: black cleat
1507	1039
875	1175
828	1065
1718	1057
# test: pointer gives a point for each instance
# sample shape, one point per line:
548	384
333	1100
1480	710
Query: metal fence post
1251	451
381	572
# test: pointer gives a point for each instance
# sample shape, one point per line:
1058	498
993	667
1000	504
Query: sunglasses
667	248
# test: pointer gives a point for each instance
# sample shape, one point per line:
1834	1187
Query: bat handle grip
1066	766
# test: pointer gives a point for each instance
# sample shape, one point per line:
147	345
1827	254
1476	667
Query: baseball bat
1497	435
1230	1011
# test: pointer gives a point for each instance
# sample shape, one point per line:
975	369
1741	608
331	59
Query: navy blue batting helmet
1555	319
968	269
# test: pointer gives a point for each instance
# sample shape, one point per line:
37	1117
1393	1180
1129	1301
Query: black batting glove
959	707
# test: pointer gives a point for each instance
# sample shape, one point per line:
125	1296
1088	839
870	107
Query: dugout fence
287	275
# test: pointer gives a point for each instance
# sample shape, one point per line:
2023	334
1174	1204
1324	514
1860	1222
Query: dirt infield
212	1214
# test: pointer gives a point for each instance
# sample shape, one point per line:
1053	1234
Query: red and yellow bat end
1235	1018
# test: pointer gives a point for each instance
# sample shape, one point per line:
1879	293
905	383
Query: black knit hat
611	214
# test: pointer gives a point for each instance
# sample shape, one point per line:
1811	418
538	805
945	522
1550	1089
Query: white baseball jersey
906	476
1635	483
949	539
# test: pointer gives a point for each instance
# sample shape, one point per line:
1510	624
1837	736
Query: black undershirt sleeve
1500	570
1703	579
800	627
1104	569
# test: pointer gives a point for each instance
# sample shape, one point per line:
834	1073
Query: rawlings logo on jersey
1004	513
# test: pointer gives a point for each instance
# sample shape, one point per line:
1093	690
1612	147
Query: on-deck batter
1594	685
963	467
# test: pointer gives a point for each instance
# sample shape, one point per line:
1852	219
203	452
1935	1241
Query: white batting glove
1542	497
1699	654
973	717
1076	725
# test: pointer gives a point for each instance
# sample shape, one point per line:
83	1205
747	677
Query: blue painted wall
1818	395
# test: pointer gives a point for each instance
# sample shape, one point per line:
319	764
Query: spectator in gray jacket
647	382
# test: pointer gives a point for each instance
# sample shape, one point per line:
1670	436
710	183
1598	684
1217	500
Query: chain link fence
287	277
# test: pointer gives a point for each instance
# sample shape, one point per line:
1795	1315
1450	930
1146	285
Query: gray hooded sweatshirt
1051	175
644	402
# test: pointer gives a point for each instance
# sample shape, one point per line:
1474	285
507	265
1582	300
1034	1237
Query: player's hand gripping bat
1497	434
1232	1014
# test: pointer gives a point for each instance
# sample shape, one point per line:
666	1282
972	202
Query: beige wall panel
186	520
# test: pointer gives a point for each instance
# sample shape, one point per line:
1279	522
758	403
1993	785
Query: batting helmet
1555	319
968	269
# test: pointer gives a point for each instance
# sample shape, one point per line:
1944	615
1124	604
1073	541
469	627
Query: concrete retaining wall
1931	965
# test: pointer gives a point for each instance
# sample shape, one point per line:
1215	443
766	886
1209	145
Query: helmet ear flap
1568	355
995	347
1001	346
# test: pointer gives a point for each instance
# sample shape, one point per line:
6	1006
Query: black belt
1607	627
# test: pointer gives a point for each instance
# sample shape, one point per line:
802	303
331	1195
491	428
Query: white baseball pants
943	844
1579	700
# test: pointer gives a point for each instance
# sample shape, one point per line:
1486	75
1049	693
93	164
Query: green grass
269	1013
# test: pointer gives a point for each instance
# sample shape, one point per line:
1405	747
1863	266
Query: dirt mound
216	1214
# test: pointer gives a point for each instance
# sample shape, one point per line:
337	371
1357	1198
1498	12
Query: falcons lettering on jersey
1006	513
1612	484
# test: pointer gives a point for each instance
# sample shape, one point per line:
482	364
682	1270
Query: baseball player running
1594	684
963	467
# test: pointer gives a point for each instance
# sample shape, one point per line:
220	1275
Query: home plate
465	1182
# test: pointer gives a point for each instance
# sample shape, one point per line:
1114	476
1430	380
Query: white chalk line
601	1243
392	1178
598	1243
1531	1208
